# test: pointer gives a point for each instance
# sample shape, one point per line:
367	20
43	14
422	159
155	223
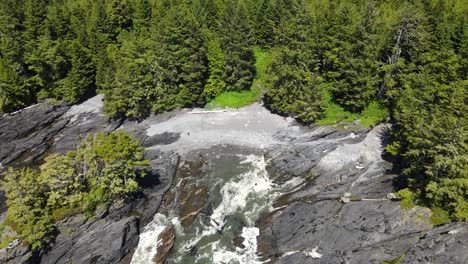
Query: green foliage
236	41
215	83
27	208
64	212
262	62
182	60
430	143
233	99
334	113
101	170
439	216
107	162
293	88
244	98
128	84
407	199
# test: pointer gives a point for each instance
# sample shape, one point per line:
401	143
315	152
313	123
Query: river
240	191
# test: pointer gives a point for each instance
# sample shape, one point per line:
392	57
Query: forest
402	62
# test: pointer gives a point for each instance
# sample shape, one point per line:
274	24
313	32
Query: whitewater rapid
243	198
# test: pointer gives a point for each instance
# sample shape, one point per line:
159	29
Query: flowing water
240	191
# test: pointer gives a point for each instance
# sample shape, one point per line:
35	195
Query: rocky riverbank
240	184
316	225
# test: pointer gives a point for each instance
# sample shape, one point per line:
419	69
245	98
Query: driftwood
207	112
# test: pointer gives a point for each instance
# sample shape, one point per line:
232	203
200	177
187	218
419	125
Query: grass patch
243	98
334	114
233	99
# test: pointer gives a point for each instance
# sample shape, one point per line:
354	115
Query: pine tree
215	83
354	67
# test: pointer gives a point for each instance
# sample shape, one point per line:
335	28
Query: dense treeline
410	57
144	55
103	168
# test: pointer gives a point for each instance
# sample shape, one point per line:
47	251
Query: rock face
311	225
73	246
111	237
28	134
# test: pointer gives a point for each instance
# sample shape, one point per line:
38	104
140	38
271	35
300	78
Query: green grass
247	97
233	99
334	114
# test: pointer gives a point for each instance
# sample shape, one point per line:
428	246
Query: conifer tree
236	41
181	59
27	207
295	88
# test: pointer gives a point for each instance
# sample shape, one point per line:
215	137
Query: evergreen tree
27	207
181	60
63	187
215	56
354	62
131	86
295	88
107	162
236	41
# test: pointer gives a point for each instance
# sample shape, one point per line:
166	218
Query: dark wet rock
191	197
18	254
193	200
167	238
313	225
27	135
86	244
160	139
79	127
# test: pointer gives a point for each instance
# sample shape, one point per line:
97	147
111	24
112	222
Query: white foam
247	255
147	248
235	193
249	193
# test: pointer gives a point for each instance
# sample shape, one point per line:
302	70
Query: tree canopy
103	168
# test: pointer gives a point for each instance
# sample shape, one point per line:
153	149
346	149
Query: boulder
165	243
